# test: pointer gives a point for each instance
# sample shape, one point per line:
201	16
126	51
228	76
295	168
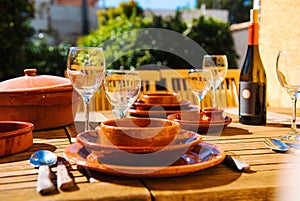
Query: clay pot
15	137
44	100
139	132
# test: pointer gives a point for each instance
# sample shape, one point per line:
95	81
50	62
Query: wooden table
269	175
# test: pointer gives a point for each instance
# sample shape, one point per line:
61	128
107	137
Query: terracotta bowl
139	132
206	116
15	137
210	120
160	98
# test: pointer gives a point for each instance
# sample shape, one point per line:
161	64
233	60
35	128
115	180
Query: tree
121	52
15	32
238	9
215	37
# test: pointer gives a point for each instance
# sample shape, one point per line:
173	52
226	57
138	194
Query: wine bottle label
248	96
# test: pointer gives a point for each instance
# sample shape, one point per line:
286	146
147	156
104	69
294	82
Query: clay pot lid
33	82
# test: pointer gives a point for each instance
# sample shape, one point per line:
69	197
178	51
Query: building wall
240	36
280	29
188	15
75	2
65	22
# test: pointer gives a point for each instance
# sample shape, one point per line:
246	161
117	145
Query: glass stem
87	110
122	114
119	113
214	97
199	104
294	124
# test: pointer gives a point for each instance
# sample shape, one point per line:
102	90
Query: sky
154	4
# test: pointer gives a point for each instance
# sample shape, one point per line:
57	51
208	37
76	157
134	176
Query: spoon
276	145
43	159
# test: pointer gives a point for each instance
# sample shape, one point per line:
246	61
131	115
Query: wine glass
200	81
288	73
86	71
122	89
218	65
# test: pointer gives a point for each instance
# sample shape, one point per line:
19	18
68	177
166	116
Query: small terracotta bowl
206	116
209	120
139	132
160	98
15	137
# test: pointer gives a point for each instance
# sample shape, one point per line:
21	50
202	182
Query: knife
236	164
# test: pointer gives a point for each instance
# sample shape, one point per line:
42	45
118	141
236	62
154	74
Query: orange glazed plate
187	163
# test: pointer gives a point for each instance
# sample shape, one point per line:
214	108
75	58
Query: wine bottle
252	87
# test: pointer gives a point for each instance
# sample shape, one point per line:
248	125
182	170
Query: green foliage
50	60
14	35
113	37
117	36
163	58
19	49
174	23
214	36
130	8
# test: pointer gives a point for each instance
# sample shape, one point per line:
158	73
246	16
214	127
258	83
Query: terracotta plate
187	163
183	141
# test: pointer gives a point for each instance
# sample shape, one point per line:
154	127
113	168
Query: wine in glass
288	73
200	81
86	71
122	89
218	65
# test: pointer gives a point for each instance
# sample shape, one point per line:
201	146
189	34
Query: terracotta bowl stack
158	105
114	138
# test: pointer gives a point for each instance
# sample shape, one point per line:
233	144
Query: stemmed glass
122	89
288	73
86	71
218	65
200	81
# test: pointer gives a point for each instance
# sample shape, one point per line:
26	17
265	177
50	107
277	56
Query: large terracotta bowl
44	100
15	137
139	132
